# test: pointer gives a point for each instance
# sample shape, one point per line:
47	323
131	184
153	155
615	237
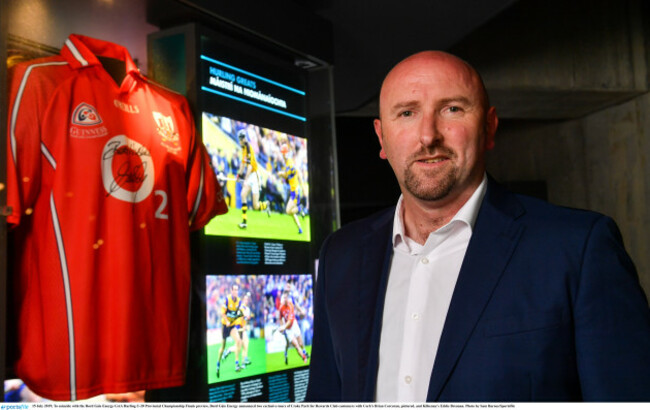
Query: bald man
464	291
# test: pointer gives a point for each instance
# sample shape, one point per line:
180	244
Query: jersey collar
82	51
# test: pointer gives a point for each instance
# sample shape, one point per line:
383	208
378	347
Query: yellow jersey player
231	314
291	174
251	180
243	330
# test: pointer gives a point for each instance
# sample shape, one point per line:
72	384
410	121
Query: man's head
434	127
234	290
284	149
284	297
242	137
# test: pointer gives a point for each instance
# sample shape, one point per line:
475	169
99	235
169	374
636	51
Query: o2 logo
86	115
128	173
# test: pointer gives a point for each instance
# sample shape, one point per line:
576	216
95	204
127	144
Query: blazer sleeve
612	321
324	378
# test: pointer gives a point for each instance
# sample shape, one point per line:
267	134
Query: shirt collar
82	51
467	214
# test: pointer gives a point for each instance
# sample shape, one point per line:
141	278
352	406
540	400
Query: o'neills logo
86	122
128	108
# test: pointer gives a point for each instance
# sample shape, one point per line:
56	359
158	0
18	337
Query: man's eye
454	108
406	113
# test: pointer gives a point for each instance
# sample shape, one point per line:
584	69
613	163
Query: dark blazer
547	307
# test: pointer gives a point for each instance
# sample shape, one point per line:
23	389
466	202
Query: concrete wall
571	82
544	59
598	162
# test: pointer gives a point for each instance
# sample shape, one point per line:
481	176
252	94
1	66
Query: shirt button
408	379
415	316
424	261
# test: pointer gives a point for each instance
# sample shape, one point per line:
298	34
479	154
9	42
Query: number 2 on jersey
162	208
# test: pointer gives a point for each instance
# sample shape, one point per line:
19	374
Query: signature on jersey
114	148
128	174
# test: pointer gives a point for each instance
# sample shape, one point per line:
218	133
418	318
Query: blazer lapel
375	263
496	234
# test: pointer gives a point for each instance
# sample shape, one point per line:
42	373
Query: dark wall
366	182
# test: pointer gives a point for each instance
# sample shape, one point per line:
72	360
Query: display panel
237	84
258	273
280	200
257	324
248	85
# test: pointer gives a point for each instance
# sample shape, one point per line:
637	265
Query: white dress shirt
420	287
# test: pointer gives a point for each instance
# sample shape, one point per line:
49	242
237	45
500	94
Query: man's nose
429	132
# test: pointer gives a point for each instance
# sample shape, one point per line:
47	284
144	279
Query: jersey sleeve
26	103
204	196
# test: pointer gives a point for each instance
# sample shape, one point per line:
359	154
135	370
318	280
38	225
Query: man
243	329
251	180
290	329
220	166
293	178
231	314
464	291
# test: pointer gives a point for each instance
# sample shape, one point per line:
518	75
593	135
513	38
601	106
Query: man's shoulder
369	225
561	226
360	232
538	211
547	213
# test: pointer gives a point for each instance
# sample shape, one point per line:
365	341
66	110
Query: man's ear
492	122
380	136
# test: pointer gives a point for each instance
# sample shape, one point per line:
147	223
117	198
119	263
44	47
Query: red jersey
105	181
287	313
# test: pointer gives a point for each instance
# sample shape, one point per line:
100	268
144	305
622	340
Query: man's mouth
433	160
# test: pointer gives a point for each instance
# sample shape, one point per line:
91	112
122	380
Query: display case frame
174	57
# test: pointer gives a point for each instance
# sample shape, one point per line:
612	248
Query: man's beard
432	185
